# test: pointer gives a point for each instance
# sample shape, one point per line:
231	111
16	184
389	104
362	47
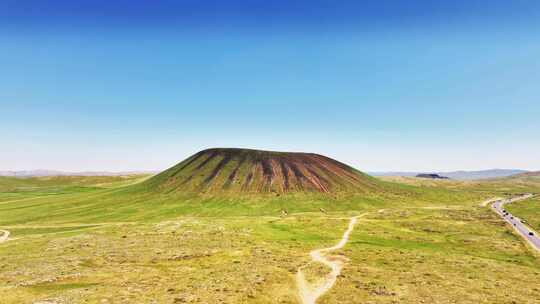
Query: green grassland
110	242
91	205
13	188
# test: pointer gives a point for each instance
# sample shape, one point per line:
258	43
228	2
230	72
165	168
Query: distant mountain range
460	175
41	172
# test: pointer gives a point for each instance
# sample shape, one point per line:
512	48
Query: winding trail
4	237
310	292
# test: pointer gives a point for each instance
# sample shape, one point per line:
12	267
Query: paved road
522	229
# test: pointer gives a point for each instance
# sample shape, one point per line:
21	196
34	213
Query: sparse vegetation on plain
98	241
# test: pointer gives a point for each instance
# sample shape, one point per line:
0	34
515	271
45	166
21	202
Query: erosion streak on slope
310	292
232	175
231	170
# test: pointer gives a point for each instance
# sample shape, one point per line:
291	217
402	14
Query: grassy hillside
500	186
13	188
113	199
129	203
28	184
217	171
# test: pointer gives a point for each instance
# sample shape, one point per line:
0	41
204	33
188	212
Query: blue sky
381	85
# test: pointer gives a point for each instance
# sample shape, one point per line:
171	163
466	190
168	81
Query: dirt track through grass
308	292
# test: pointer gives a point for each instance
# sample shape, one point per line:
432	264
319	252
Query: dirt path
310	292
4	235
489	201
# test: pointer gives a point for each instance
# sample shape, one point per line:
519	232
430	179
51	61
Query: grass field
101	242
14	188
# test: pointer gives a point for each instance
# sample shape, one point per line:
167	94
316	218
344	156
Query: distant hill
528	174
460	175
528	181
42	173
255	171
431	175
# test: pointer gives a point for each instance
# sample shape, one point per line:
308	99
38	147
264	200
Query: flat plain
97	240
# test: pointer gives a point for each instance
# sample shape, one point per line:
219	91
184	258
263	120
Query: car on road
530	233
